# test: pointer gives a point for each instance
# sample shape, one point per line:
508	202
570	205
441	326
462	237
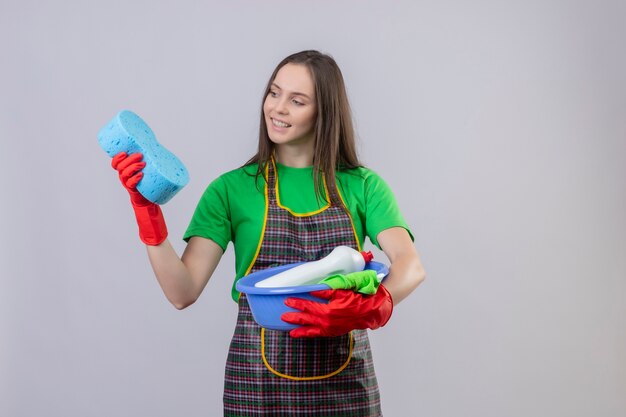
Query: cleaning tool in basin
164	174
342	260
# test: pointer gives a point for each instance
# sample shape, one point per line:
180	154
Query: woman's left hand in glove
346	310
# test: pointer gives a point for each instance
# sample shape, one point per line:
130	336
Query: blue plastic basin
268	304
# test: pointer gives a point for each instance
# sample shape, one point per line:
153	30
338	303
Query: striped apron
269	373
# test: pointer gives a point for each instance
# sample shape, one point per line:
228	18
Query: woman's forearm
405	271
172	274
183	279
405	274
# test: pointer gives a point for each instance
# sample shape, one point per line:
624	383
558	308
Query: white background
500	126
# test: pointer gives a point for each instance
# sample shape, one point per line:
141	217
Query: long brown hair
334	144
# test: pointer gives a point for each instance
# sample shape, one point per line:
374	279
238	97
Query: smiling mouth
278	123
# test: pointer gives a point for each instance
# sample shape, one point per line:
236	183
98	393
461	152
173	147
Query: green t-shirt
233	206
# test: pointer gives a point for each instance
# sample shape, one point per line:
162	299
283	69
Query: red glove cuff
388	302
152	228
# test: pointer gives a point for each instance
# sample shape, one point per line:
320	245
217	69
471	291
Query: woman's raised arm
181	279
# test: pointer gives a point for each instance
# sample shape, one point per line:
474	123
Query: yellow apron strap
267	203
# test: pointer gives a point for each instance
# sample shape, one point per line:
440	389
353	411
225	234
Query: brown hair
334	144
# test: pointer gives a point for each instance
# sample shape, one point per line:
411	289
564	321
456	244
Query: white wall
500	126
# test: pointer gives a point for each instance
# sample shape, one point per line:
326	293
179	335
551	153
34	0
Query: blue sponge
164	175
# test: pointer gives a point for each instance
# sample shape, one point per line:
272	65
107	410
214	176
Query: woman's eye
297	103
273	93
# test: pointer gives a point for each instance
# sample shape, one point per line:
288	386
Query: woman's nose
281	106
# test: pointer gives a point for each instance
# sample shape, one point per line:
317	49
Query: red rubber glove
345	311
152	228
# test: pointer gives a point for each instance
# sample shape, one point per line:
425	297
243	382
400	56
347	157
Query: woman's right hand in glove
152	228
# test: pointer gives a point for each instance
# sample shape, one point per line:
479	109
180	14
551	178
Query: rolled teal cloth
364	282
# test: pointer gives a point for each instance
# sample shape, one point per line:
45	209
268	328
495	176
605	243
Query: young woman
300	196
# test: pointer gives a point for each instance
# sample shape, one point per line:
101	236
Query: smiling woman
290	113
325	198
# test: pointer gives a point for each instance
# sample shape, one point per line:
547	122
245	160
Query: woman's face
289	108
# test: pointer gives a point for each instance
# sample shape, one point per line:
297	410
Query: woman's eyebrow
293	92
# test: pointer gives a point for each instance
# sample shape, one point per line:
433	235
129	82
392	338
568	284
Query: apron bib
268	372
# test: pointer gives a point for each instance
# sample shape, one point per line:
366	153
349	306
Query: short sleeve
381	209
211	219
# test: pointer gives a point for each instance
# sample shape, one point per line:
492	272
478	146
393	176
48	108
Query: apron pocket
305	358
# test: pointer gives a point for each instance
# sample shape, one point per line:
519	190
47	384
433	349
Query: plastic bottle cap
367	256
